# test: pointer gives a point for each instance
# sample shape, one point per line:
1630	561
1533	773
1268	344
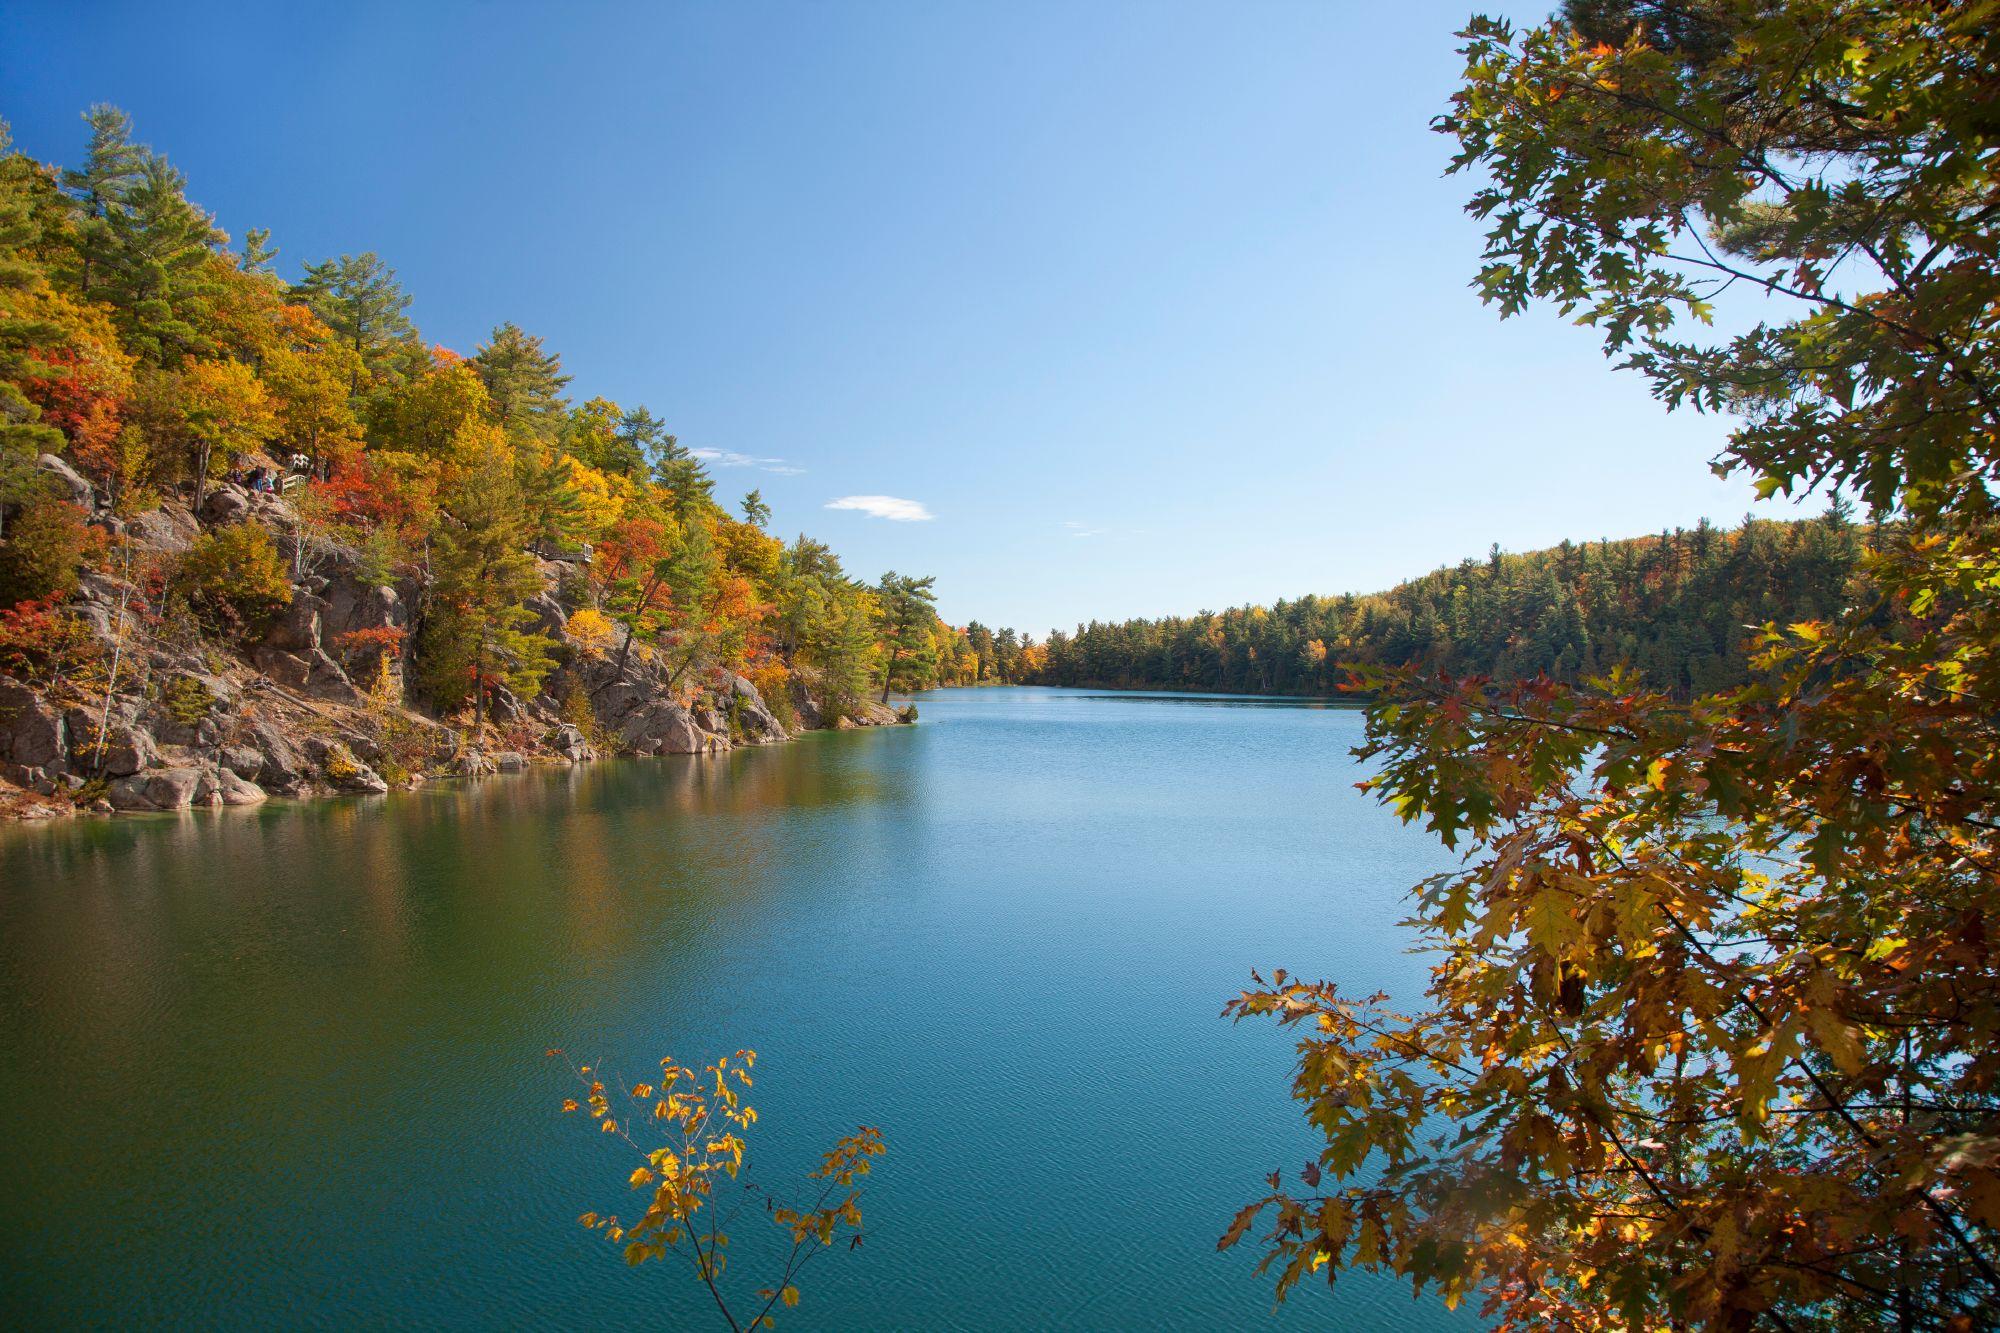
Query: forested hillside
214	479
1674	607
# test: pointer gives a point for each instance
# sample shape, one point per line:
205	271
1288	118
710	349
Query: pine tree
476	631
907	606
524	381
258	253
359	298
111	169
550	502
156	266
686	480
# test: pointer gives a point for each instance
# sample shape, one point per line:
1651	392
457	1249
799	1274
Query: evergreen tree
476	631
550	502
156	270
524	382
907	608
359	298
258	253
682	475
693	570
755	512
111	169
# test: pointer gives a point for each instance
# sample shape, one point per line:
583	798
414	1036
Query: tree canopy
1711	1032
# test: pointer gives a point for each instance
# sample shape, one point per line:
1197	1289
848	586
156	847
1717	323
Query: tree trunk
889	673
201	479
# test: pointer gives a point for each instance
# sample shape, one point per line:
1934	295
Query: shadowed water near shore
285	1065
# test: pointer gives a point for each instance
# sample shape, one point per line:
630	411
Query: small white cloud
884	506
1082	530
730	458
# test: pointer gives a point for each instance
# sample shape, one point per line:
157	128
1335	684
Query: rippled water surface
285	1066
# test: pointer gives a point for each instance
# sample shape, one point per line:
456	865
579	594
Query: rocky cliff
313	703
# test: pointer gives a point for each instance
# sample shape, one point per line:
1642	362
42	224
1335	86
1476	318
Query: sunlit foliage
1712	1032
688	1136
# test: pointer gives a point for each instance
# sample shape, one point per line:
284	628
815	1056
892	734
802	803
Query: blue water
285	1066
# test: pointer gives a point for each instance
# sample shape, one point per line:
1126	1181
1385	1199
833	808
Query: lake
286	1065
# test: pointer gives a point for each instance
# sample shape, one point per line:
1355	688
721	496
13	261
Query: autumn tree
436	414
824	622
686	1135
630	572
1712	1034
225	412
233	579
596	435
25	333
43	552
307	370
551	501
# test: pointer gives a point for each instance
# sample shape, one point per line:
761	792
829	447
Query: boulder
31	733
309	671
806	708
510	761
871	713
350	606
664	727
127	750
286	668
326	680
283	767
298	630
78	491
29	779
613	702
571	744
160	789
550	617
271	510
245	761
502	705
342	769
754	718
233	789
164	529
227	503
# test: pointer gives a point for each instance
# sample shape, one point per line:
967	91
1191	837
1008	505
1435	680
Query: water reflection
1304	701
262	1067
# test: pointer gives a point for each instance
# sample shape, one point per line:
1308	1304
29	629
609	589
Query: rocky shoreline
312	705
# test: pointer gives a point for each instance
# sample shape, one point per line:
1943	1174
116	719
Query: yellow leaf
790	1296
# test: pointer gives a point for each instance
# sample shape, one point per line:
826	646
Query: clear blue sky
1153	307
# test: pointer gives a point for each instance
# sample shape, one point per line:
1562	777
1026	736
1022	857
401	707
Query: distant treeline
1675	607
